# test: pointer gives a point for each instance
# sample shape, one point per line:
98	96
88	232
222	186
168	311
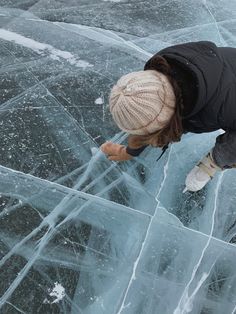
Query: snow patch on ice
41	48
99	101
58	291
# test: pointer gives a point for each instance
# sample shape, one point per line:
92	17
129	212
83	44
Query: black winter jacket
206	75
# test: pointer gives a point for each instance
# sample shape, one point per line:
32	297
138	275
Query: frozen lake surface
81	234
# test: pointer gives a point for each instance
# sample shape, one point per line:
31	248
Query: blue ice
81	234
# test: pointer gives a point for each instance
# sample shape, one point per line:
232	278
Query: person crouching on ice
184	88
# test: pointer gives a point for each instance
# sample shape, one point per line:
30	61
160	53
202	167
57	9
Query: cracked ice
81	234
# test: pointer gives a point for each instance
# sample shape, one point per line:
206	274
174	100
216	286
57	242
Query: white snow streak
42	48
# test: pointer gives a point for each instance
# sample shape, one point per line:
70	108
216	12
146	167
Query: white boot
201	174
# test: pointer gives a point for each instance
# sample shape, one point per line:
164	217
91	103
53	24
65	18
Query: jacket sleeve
135	151
224	151
227	113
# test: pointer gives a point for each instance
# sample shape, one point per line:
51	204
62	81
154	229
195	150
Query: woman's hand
115	152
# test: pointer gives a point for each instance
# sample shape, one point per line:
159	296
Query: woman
184	88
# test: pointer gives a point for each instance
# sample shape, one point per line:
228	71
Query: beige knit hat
142	102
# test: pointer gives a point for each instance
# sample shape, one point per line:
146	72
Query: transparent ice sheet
81	234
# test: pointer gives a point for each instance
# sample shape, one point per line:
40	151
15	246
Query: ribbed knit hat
142	102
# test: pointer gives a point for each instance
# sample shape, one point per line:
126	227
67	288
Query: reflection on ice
81	234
